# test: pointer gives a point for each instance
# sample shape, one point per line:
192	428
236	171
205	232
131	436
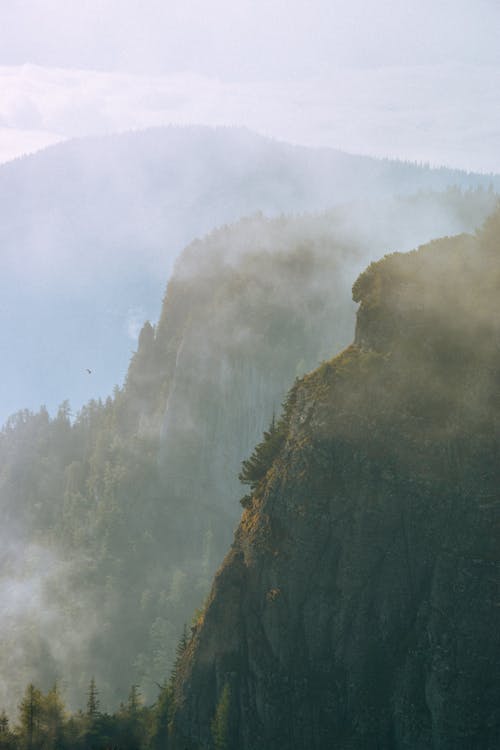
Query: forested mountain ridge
101	518
358	605
105	217
251	307
114	520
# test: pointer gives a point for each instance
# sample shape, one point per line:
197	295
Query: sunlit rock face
359	605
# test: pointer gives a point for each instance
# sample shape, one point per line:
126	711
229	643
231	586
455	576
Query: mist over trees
250	350
115	519
104	218
358	604
44	722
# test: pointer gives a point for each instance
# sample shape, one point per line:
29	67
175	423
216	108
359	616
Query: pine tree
92	700
179	653
30	711
7	739
259	463
53	718
132	720
161	719
4	723
134	701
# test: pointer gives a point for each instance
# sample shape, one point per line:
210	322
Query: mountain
89	230
254	305
358	606
115	519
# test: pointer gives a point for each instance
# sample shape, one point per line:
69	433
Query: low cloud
441	114
15	142
135	321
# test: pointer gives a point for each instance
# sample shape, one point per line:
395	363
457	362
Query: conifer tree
92	700
7	739
30	712
132	720
53	718
179	652
134	700
255	468
4	723
161	719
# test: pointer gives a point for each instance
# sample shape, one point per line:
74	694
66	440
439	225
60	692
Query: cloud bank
447	113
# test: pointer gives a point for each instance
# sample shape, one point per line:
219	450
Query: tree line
44	723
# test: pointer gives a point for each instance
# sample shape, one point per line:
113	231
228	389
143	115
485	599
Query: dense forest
44	722
115	518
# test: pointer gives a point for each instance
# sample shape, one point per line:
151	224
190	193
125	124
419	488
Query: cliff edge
359	605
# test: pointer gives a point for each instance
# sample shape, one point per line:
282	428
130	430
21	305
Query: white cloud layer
247	39
442	114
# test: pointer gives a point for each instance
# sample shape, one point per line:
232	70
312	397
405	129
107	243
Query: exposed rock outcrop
359	605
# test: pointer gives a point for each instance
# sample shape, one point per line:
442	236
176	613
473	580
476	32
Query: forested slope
358	605
115	519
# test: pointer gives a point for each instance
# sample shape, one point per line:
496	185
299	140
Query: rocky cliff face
138	496
250	307
359	605
247	310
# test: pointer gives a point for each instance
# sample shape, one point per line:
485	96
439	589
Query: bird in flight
89	371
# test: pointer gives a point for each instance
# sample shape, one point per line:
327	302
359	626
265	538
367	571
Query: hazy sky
257	39
409	79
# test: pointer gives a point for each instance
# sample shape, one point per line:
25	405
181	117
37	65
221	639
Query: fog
44	625
412	80
89	231
374	515
445	113
258	40
118	517
209	149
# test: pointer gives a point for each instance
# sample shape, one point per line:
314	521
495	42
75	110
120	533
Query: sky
416	80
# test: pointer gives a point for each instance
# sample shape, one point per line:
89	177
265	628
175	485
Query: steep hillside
115	520
358	606
104	218
248	309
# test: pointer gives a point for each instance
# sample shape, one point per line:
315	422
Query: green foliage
7	737
4	723
246	501
134	700
30	716
162	715
91	491
92	700
199	613
136	523
54	716
180	650
220	722
45	724
256	467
